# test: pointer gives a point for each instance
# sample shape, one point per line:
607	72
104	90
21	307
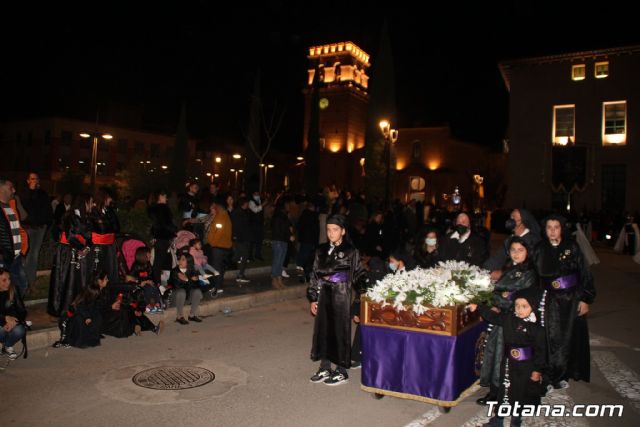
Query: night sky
138	60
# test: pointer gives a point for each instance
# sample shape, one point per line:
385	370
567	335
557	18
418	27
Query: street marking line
623	379
600	341
425	418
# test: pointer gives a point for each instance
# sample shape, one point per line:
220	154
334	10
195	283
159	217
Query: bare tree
270	126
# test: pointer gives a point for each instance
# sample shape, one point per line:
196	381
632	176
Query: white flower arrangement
450	283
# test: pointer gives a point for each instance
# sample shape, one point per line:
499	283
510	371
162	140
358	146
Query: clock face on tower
324	103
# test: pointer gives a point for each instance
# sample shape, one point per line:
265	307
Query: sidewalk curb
229	274
46	337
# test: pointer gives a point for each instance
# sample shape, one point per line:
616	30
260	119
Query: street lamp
390	136
94	153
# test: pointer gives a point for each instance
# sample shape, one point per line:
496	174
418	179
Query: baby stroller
126	246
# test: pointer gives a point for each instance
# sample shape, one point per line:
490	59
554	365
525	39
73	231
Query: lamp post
390	136
266	168
94	153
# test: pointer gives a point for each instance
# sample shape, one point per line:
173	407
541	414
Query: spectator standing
163	231
308	231
281	235
14	241
241	232
219	239
39	216
257	226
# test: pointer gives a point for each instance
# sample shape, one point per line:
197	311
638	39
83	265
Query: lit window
578	72
563	124
602	70
614	123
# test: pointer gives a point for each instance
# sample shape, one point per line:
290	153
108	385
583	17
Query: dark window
155	150
139	148
614	187
65	138
123	146
564	121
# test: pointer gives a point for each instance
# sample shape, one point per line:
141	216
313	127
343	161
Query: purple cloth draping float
423	366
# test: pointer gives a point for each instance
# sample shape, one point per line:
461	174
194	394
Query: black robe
104	256
76	332
513	279
121	323
332	327
517	334
71	271
567	333
472	251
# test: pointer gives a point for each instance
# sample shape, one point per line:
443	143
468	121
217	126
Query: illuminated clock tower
343	101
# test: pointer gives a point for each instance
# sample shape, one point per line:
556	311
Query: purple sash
520	353
562	282
341	276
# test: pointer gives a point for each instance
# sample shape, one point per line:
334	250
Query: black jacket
162	226
38	207
280	226
308	227
241	225
13	308
472	251
189	202
104	221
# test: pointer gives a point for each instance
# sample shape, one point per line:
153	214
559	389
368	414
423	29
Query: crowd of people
342	243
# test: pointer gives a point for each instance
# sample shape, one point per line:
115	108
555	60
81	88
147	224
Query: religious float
419	341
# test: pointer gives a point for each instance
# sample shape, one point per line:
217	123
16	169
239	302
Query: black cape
513	279
567	334
332	327
518	333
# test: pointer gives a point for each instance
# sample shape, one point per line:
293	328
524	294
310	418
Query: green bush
135	221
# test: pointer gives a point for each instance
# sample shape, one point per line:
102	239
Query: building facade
51	146
433	166
343	84
572	141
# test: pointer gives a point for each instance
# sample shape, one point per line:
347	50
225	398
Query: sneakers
355	365
195	319
242	280
299	269
159	328
320	376
60	344
10	353
285	274
182	321
336	378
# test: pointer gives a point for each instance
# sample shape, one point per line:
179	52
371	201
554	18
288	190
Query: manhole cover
173	378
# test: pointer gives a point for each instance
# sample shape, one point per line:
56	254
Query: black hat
338	220
534	297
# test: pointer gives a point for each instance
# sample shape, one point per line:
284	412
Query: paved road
260	358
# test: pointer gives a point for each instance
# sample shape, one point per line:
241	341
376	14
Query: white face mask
431	242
